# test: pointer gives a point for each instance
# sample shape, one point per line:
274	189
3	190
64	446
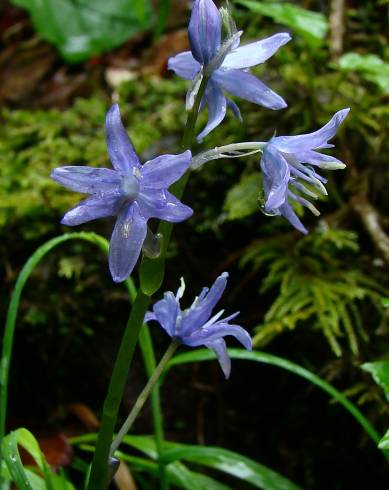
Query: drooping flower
287	162
194	326
231	73
132	192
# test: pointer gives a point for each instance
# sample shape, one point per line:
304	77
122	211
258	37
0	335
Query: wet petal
161	204
248	87
215	332
220	349
88	180
92	208
200	311
184	65
276	177
126	242
288	213
255	53
204	30
164	170
166	311
217	107
120	149
317	139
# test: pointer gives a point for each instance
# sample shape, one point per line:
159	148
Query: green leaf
312	26
81	28
241	200
256	356
384	442
231	463
179	475
370	66
380	372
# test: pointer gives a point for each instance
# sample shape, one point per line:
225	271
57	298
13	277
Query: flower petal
88	180
200	311
92	208
317	139
166	311
164	170
235	109
215	332
161	204
288	213
126	242
248	87
321	160
255	53
276	177
120	149
184	65
217	107
204	30
220	349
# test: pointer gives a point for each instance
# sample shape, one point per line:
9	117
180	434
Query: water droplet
261	204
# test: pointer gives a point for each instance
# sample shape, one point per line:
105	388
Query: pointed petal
204	30
161	204
92	208
309	141
235	109
164	170
199	313
255	53
88	180
120	149
184	65
126	242
220	349
288	213
321	160
166	311
276	177
215	332
248	87
217	107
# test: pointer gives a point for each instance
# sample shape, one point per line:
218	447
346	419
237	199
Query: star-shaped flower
284	166
232	74
132	192
194	326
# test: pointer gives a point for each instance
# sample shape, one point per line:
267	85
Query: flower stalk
142	398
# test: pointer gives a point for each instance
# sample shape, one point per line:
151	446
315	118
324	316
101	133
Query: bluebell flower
232	74
132	192
288	162
195	326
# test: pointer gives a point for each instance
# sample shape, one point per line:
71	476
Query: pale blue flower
288	161
194	326
132	192
231	72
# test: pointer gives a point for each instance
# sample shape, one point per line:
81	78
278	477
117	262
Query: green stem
141	400
99	474
147	349
151	277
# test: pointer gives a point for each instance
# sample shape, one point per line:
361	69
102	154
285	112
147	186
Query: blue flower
284	166
232	74
130	191
194	326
